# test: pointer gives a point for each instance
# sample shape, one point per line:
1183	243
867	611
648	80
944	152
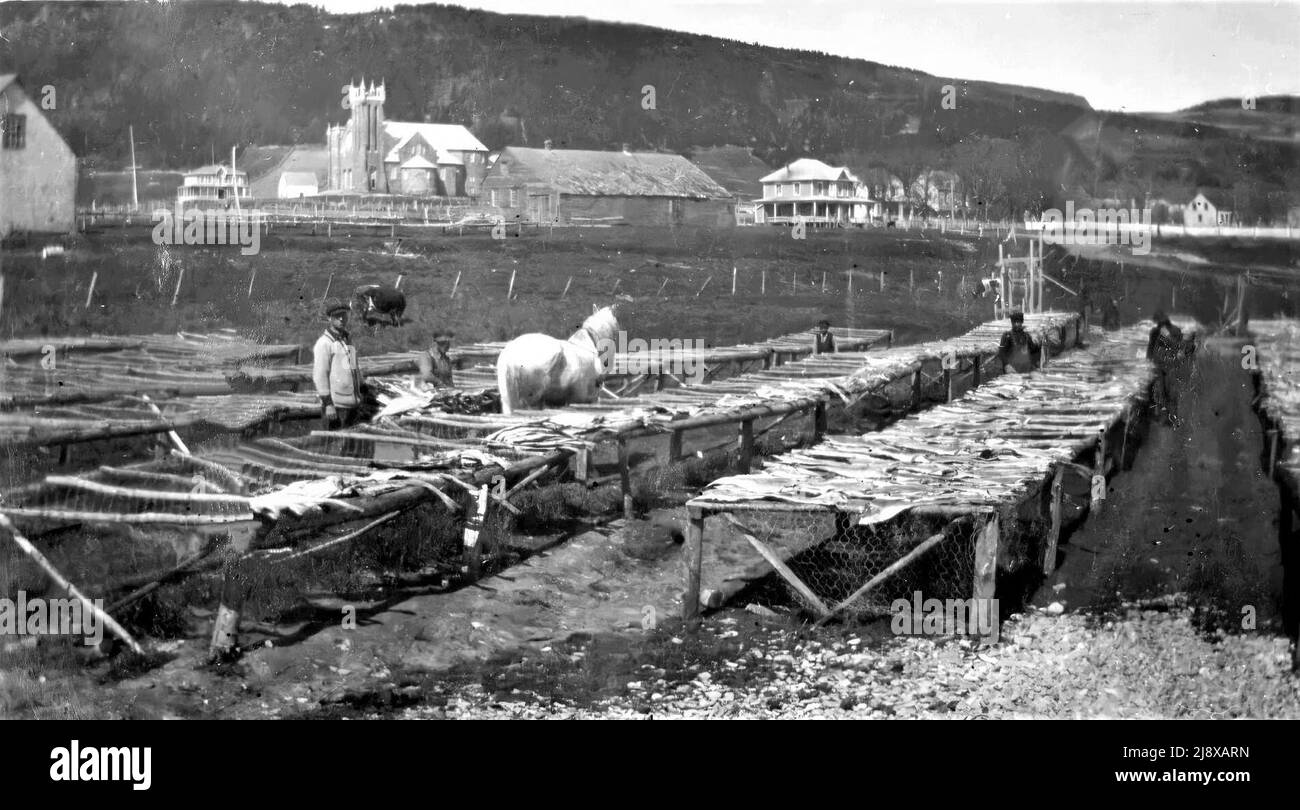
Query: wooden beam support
781	568
692	557
746	445
986	560
819	420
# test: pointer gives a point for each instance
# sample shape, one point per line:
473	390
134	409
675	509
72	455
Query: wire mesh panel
829	558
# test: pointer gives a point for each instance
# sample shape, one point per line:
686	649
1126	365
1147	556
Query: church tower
356	148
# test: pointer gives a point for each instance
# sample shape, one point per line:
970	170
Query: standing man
1018	352
335	371
435	364
825	341
1165	349
1110	315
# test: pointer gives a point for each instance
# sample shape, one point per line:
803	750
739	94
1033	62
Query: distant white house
814	192
297	184
215	184
1207	209
939	190
888	195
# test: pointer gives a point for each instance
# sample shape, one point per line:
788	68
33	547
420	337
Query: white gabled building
812	192
38	171
1208	209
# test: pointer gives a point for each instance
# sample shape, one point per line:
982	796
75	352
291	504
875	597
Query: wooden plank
780	567
1054	533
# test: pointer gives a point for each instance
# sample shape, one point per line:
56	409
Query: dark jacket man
1019	352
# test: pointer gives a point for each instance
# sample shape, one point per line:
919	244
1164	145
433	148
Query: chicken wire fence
833	557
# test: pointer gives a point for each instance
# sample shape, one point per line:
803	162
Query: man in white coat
336	373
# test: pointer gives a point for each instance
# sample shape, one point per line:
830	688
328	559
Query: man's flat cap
335	307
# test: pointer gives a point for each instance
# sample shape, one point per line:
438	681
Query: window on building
15	130
798	188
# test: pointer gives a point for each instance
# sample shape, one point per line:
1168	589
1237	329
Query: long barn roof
610	174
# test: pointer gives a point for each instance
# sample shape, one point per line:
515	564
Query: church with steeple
371	155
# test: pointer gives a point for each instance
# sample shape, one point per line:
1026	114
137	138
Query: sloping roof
300	179
449	159
1217	196
417	162
439	136
625	174
734	168
808	169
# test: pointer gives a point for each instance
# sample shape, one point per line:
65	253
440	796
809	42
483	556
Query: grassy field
679	280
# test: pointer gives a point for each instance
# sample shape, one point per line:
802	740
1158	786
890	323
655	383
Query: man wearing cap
1165	349
435	364
1018	352
335	371
825	341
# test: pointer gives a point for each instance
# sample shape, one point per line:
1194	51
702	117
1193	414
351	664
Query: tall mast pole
135	193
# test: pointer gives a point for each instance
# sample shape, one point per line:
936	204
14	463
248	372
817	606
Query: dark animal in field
891	224
374	303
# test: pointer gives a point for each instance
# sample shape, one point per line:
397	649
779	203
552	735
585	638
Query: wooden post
986	560
947	384
823	282
93	278
625	478
225	627
1272	451
733	279
251	279
746	444
819	420
1123	444
977	377
882	280
911	280
179	277
1099	469
693	557
582	464
916	389
510	293
565	291
1054	533
328	284
793	288
470	560
762	288
455	285
674	445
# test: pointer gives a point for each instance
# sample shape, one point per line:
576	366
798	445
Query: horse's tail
508	383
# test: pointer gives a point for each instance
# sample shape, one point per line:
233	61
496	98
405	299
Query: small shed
297	184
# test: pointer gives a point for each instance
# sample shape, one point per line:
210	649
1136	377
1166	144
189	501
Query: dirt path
1196	513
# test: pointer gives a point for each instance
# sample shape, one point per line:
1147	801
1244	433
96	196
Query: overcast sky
1136	56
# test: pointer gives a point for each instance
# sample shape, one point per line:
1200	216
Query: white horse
536	371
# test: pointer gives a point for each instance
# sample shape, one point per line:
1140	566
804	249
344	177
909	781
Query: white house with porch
812	192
